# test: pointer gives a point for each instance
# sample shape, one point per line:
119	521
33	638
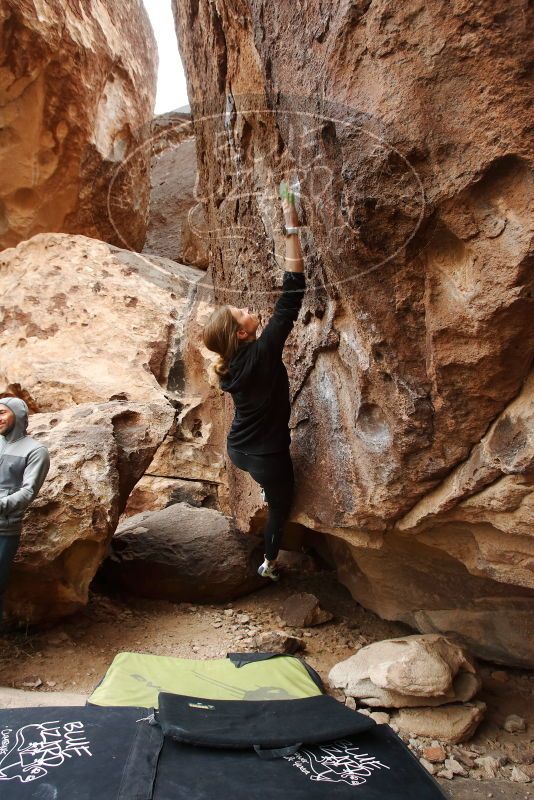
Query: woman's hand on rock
288	206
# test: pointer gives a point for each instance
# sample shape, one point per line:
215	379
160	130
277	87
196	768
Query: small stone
434	754
451	723
303	610
446	773
428	766
514	724
57	638
350	702
518	776
455	767
500	758
465	757
243	619
380	717
278	642
217	624
500	676
229	612
31	682
488	765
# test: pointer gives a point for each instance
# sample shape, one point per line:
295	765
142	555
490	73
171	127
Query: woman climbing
252	371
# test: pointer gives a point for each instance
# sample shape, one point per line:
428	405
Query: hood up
20	410
241	368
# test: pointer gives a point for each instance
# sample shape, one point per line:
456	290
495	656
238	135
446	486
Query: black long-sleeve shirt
258	380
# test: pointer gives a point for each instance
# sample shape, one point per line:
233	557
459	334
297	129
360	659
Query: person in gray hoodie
24	464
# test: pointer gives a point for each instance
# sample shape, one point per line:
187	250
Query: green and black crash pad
135	679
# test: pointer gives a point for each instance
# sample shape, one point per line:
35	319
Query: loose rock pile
429	679
424	687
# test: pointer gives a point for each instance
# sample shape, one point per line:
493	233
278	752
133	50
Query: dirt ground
73	656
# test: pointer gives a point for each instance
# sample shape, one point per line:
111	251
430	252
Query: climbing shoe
268	571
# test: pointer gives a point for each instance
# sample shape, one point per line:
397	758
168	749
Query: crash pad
135	679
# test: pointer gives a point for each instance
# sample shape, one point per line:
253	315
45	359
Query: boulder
408	671
97	454
104	323
303	610
80	84
184	554
176	224
451	723
416	331
109	324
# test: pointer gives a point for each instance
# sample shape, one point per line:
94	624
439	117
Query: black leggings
8	548
274	473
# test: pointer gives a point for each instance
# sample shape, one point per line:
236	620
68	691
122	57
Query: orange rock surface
77	94
405	130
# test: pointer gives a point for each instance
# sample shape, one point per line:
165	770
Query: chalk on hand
285	193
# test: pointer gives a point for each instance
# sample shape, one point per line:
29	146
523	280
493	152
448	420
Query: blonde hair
219	336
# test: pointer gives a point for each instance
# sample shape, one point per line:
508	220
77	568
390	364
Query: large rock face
78	90
176	223
405	130
98	452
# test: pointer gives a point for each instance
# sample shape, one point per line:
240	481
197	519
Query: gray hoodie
24	464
